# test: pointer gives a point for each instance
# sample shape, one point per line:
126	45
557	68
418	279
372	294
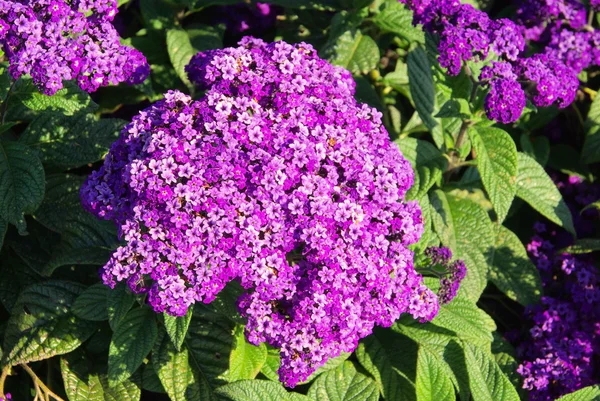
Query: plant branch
42	391
3	377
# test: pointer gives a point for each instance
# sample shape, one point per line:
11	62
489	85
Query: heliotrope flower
276	178
561	349
452	273
467	34
57	40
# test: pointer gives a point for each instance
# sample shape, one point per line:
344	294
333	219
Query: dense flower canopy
468	34
57	40
561	348
277	178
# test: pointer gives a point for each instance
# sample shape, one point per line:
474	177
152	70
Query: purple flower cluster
561	352
467	34
276	178
57	40
561	28
452	273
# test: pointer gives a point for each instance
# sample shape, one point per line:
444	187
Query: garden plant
299	200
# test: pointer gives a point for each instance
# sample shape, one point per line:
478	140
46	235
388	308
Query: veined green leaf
535	187
254	390
68	142
177	327
176	374
427	161
42	325
131	342
422	91
590	393
397	18
354	51
512	271
432	381
455	220
486	378
118	302
380	356
21	183
344	383
497	164
591	147
586	245
245	360
91	303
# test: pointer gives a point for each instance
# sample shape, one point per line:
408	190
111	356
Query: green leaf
41	324
505	357
486	378
397	18
95	256
457	108
344	384
591	147
61	201
181	52
131	342
127	390
245	360
590	393
397	79
80	385
209	341
427	161
254	390
69	100
118	303
464	318
177	327
380	362
512	271
68	142
176	374
21	183
205	37
150	380
432	382
91	303
422	91
455	220
497	164
580	246
353	51
443	345
535	187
